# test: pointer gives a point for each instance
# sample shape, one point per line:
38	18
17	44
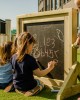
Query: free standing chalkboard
50	44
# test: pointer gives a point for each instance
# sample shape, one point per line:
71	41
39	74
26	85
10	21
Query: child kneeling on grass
25	66
5	65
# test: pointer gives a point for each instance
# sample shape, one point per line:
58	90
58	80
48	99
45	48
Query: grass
45	94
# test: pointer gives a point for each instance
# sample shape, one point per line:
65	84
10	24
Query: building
2	26
5	28
46	5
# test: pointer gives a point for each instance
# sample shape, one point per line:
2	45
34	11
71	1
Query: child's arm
42	67
77	43
44	72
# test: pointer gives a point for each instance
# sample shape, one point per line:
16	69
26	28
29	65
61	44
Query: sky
10	9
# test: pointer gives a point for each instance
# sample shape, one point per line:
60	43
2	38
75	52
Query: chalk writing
60	35
39	51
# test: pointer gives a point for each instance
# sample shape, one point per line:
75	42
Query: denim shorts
39	83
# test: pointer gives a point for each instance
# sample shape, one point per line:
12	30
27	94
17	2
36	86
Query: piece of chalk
54	90
56	60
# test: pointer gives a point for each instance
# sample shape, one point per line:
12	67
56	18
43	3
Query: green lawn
43	95
46	94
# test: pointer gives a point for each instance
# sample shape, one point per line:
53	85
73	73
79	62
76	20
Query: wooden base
51	83
70	86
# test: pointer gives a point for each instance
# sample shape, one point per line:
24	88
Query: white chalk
54	90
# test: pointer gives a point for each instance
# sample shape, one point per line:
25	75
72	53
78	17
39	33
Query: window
48	5
53	4
56	4
60	2
2	27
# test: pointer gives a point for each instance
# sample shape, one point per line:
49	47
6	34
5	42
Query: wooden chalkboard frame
69	16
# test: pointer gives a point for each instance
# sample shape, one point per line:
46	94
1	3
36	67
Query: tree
13	31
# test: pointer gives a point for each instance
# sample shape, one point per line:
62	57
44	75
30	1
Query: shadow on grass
46	93
52	96
75	97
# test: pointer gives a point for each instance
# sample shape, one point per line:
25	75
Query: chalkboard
50	44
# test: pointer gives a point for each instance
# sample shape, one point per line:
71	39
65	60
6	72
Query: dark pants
4	85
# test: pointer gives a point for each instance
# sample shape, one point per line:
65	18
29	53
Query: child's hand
52	64
75	45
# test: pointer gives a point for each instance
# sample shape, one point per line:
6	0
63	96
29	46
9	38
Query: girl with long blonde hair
25	66
5	65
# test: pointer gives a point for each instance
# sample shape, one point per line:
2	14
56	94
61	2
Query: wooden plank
48	13
70	86
70	91
50	82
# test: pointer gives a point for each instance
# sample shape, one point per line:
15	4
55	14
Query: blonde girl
5	65
25	66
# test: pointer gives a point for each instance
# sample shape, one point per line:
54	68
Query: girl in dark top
25	66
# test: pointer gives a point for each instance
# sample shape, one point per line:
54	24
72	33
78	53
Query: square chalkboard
50	44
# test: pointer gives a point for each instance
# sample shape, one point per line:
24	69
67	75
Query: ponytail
22	42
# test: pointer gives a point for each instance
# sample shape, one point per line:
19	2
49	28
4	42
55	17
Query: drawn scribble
36	51
35	36
60	35
47	46
56	53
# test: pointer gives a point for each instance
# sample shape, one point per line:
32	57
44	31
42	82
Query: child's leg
40	84
33	91
9	87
